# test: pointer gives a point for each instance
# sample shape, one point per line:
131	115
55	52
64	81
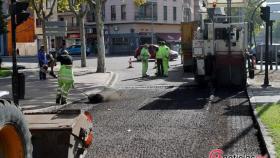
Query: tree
139	2
3	23
101	68
79	8
43	15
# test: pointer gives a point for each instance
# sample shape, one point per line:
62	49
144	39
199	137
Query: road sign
56	28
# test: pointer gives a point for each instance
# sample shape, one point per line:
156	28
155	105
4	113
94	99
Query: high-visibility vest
166	52
144	54
65	73
161	52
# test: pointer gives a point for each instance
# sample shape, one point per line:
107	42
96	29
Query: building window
72	21
174	13
164	12
120	41
38	23
113	12
61	19
187	15
123	12
147	11
90	17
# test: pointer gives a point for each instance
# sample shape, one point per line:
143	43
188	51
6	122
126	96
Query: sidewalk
264	96
40	95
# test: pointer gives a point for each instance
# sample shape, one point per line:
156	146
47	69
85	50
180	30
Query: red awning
169	37
73	35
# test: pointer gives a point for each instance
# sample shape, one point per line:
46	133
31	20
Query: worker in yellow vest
165	59
159	58
65	77
145	55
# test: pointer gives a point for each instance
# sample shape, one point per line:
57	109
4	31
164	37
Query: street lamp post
152	22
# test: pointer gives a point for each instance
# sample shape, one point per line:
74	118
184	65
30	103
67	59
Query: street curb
109	83
265	138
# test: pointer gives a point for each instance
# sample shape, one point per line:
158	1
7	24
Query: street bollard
276	58
261	58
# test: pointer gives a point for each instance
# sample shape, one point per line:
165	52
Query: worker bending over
65	77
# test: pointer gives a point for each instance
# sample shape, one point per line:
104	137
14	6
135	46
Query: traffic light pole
266	81
14	54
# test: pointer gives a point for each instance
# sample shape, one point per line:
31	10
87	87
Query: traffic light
20	11
265	13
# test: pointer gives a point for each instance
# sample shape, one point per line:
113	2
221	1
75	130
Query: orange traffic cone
130	63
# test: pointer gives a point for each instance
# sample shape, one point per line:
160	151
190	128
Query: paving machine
219	45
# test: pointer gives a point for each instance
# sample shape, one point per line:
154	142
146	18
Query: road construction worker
145	55
165	59
65	77
159	57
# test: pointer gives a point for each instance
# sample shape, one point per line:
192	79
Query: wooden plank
51	121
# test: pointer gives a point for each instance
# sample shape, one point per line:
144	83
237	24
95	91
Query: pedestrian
43	63
145	55
65	77
159	58
52	61
165	59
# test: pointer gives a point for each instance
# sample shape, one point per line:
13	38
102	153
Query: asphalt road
169	117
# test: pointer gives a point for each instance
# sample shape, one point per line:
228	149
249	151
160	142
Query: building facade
127	26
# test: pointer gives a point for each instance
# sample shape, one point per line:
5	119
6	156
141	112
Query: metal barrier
276	52
276	57
261	59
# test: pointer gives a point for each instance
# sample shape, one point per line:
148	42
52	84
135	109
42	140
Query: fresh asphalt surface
169	117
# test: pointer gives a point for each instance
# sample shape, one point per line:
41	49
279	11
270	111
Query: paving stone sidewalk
263	95
260	95
40	94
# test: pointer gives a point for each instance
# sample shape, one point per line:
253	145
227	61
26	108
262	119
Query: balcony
143	17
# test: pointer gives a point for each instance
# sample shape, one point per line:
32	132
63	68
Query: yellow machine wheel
15	137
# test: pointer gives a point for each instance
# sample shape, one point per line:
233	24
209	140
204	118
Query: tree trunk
83	41
100	38
45	40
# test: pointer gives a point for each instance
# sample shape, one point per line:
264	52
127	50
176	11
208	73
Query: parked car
152	50
76	50
261	47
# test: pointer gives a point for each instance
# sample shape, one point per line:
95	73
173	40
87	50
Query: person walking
43	63
65	77
159	58
145	55
165	59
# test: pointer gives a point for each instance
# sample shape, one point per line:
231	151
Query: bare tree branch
37	10
72	9
52	8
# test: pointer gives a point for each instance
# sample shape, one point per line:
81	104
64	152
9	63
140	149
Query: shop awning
169	37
